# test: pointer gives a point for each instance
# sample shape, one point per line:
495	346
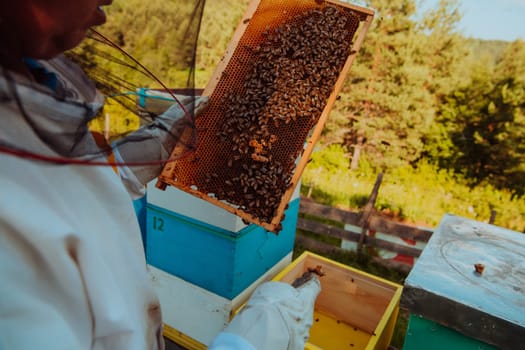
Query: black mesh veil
138	64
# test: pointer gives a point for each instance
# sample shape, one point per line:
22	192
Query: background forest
441	115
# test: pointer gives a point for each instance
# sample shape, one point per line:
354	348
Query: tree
484	124
219	22
160	34
390	97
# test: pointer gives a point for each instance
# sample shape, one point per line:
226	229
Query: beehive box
354	310
479	309
221	261
270	97
429	335
193	316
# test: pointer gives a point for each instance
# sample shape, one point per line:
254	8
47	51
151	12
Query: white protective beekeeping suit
72	265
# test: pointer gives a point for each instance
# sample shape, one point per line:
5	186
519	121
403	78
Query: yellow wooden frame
376	337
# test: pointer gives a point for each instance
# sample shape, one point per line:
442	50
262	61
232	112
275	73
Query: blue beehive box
207	246
140	209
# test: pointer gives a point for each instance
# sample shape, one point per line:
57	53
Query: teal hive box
429	335
455	304
140	209
221	261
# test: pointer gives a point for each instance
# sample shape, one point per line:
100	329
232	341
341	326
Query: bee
479	268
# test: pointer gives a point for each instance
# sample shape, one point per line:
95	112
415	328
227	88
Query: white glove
155	141
276	317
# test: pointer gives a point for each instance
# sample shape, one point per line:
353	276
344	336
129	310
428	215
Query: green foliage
483	125
332	158
156	33
391	95
420	195
218	24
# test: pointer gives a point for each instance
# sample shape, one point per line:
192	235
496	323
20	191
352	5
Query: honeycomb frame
224	168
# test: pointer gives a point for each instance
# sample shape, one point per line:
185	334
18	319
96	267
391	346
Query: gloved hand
155	141
276	317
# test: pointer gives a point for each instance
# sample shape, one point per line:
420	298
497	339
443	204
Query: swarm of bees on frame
292	73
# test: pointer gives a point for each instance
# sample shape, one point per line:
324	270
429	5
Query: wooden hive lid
445	287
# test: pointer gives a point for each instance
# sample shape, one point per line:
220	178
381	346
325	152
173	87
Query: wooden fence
314	218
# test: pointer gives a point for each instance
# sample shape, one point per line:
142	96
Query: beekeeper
72	268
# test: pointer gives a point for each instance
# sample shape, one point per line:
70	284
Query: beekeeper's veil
126	66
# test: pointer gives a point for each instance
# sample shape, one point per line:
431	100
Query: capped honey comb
270	97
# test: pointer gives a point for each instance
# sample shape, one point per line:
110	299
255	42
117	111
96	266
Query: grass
422	195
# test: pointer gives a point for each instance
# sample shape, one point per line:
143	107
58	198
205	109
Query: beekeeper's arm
276	317
154	142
